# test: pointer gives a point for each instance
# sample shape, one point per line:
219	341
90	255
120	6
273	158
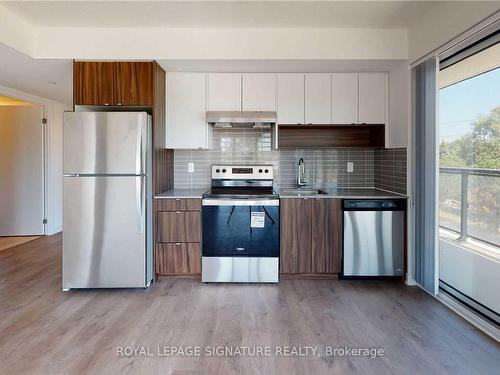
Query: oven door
241	228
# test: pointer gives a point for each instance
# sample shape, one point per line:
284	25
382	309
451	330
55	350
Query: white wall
54	166
399	105
445	21
16	32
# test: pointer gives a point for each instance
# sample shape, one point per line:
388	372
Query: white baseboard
471	317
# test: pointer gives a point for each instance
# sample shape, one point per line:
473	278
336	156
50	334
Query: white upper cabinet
186	107
318	102
373	98
345	98
259	92
290	98
224	92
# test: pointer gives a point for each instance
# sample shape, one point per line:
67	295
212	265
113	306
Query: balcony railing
469	201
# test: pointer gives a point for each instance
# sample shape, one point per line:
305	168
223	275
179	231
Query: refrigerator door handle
138	152
139	188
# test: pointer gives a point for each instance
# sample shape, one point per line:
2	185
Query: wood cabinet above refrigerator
113	83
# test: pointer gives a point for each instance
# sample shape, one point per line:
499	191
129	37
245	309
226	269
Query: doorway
22	203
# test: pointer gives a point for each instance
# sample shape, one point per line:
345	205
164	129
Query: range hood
241	119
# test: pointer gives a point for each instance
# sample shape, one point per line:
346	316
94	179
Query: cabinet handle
177	199
178	243
177	212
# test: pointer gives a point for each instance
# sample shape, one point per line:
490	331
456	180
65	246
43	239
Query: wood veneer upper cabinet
93	83
134	83
295	232
326	235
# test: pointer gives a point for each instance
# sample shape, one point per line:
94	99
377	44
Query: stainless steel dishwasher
374	235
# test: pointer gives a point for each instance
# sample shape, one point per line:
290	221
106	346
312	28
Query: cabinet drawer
178	227
178	258
178	204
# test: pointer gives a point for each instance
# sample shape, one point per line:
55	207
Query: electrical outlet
350	167
190	167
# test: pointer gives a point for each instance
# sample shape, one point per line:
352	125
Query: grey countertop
284	193
358	193
181	193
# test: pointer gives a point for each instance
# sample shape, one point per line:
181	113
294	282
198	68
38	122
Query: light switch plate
350	167
190	167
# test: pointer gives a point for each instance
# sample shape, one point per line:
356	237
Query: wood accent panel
163	159
326	236
134	83
93	83
178	258
295	235
178	204
331	136
178	226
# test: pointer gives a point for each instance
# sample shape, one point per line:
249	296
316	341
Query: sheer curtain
425	172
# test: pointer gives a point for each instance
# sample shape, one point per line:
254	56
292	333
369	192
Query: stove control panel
242	172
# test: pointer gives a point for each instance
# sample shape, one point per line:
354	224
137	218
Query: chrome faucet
301	173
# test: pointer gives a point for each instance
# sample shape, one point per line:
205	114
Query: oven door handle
240	202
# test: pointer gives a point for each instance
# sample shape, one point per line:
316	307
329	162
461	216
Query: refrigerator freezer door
105	142
104	237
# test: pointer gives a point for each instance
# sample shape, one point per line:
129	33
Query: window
469	180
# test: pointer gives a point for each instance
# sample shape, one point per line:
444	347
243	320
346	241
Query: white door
224	92
187	127
373	93
345	98
290	98
21	171
318	91
259	92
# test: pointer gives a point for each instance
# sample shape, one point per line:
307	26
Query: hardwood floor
47	331
8	242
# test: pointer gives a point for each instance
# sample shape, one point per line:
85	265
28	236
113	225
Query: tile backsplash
382	168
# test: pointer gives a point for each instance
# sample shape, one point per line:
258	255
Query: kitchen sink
303	192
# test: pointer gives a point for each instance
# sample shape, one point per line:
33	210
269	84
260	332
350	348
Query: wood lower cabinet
178	258
178	236
295	235
310	236
93	83
178	204
326	235
178	226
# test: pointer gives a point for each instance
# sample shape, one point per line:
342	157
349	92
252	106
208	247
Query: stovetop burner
242	182
231	193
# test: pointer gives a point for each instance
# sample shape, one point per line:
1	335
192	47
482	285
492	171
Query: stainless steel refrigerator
107	205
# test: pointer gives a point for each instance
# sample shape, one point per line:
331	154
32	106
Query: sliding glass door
469	181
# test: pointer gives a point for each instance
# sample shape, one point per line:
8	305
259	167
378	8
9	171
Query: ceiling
329	13
50	79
